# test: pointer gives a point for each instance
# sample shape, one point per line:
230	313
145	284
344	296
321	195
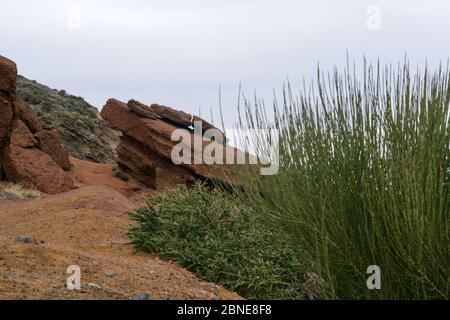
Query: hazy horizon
179	54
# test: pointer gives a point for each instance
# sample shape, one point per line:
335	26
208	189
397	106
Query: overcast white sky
178	52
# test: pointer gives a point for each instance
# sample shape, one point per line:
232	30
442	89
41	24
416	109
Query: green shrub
81	107
220	240
47	106
31	96
364	180
88	123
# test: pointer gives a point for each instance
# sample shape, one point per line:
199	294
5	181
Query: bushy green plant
220	240
34	97
47	106
88	123
81	107
364	180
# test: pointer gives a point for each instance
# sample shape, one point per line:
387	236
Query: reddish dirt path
87	227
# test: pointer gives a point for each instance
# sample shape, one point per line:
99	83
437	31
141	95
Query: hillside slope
82	131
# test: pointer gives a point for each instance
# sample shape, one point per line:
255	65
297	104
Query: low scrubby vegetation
364	180
221	240
82	131
50	99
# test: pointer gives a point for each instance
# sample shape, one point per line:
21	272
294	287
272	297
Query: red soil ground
87	227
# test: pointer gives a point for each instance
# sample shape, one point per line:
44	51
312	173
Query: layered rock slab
147	146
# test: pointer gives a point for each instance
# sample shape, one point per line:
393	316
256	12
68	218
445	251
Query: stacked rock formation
28	154
145	150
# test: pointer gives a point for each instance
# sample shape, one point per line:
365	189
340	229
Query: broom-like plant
364	179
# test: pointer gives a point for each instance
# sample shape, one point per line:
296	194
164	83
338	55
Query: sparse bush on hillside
364	180
81	107
88	123
47	106
220	240
36	94
76	98
31	96
83	133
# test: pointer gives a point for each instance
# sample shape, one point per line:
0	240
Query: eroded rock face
6	115
23	112
33	166
141	110
28	154
8	73
21	136
48	142
177	117
146	146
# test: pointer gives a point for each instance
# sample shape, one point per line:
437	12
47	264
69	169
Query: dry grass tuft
12	191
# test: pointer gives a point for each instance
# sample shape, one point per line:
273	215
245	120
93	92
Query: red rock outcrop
142	110
177	117
21	136
8	71
28	154
23	112
49	142
146	145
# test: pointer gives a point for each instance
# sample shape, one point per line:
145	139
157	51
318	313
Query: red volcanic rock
23	112
28	154
141	110
168	114
49	142
6	115
8	73
155	134
142	163
146	145
135	162
32	166
175	116
21	136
